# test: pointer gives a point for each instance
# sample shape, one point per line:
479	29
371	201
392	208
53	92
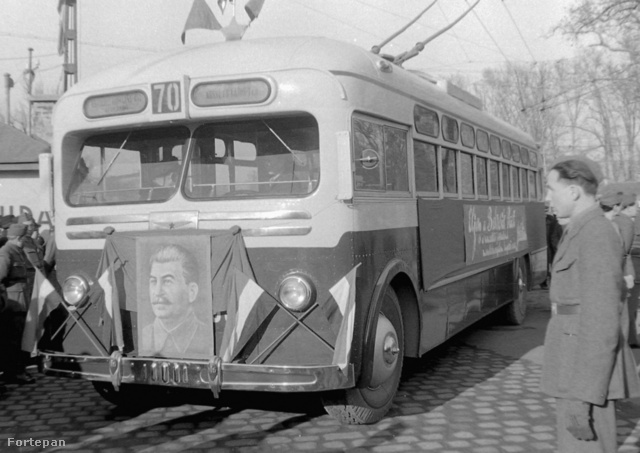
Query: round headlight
74	290
296	292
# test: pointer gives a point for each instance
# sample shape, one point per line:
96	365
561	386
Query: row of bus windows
380	154
427	122
477	176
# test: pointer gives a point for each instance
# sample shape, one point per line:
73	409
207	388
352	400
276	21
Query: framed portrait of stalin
174	297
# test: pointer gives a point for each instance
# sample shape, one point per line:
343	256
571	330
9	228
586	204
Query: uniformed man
14	279
587	361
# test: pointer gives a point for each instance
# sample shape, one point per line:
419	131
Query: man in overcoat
587	361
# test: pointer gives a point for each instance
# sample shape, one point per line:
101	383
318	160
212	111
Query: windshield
126	167
260	158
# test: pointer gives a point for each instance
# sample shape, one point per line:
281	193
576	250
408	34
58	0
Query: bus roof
286	53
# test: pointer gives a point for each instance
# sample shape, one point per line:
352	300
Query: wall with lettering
22	192
493	231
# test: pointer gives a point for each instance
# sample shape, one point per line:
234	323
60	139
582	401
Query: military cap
17	230
628	199
7	220
610	198
27	218
593	166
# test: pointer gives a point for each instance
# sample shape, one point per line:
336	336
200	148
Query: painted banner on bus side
493	231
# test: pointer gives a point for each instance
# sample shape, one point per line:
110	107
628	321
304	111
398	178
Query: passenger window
466	175
506	177
426	164
494	178
481	176
483	141
449	170
532	185
468	136
426	121
515	183
524	184
449	129
380	153
495	146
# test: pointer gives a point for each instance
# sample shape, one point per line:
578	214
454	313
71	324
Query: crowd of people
22	250
594	290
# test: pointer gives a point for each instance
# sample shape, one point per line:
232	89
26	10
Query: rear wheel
373	395
516	312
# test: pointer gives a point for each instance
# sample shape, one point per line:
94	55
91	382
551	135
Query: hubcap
385	354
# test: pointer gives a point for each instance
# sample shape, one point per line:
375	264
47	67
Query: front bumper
199	374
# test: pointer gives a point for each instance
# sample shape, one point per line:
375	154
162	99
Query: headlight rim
307	283
84	282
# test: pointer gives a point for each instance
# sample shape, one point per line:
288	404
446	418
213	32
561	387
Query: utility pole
8	84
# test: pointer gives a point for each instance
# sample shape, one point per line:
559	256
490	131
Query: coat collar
575	225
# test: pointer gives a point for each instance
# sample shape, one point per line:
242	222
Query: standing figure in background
14	278
587	362
629	210
554	233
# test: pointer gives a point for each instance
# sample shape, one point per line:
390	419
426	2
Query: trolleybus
282	215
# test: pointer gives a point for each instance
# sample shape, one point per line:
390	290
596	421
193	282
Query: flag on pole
108	298
44	299
248	308
340	311
63	11
252	8
200	16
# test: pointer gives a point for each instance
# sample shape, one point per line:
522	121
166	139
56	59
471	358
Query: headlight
296	292
74	290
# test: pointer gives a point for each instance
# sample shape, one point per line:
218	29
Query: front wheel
373	395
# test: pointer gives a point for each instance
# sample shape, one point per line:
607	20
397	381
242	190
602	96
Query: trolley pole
8	84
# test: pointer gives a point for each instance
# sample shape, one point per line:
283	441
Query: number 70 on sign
165	97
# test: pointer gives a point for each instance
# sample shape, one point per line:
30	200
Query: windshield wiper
293	153
106	170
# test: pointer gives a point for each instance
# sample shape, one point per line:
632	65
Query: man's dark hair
577	172
174	252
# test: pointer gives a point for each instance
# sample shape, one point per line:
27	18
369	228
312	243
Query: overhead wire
504	3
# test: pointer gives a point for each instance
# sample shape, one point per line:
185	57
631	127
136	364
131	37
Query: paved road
477	393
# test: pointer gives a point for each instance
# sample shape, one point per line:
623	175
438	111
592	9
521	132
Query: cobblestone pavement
467	396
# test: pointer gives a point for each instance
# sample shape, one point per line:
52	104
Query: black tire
516	312
129	395
370	400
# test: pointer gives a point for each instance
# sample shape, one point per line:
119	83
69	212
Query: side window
532	185
426	121
466	175
506	149
426	164
515	183
449	171
481	175
468	136
515	152
380	153
495	146
506	177
450	129
524	187
396	166
483	141
494	178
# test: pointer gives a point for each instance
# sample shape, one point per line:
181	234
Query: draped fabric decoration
107	296
44	300
235	319
201	16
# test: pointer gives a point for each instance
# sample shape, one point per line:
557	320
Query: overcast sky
112	31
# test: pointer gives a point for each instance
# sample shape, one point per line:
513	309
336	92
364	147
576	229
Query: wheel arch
397	275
